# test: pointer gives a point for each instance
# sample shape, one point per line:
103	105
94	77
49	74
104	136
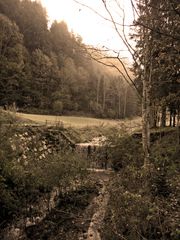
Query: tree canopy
48	69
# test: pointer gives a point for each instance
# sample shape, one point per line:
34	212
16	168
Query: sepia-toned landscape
89	119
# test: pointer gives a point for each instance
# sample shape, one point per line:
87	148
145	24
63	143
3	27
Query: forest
106	164
47	69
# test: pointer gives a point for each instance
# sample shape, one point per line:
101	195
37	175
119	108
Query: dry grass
78	122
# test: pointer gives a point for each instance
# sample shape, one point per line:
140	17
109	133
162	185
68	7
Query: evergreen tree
12	61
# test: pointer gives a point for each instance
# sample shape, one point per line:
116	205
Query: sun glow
93	29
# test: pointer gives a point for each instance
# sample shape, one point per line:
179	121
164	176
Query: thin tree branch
124	28
128	79
100	15
131	51
134	9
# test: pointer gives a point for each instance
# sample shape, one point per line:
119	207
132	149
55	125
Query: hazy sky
93	29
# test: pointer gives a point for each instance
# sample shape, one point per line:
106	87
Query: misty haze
89	119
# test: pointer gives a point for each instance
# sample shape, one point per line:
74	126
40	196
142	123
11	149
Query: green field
78	122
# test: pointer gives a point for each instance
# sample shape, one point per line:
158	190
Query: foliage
58	107
147	203
12	61
123	149
7	118
23	181
42	66
160	21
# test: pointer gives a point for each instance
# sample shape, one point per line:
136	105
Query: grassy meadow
79	122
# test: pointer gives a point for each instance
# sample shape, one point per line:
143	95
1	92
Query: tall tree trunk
146	109
153	116
146	95
146	122
163	116
174	118
170	118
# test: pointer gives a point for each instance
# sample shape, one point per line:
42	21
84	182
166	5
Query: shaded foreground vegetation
147	206
26	177
143	203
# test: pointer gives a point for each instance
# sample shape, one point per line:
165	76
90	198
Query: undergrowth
144	205
22	183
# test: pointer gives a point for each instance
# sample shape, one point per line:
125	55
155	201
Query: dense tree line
48	69
157	57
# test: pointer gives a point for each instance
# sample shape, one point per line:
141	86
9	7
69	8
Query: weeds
143	206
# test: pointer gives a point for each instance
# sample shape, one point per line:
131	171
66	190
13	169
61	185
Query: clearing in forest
78	122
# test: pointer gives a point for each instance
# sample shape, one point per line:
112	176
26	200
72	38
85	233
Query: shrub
133	213
141	205
58	107
123	149
23	182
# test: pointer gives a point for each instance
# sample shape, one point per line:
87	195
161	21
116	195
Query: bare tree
146	77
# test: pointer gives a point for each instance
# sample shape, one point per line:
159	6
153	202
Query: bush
58	107
123	149
135	213
23	182
7	118
144	204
